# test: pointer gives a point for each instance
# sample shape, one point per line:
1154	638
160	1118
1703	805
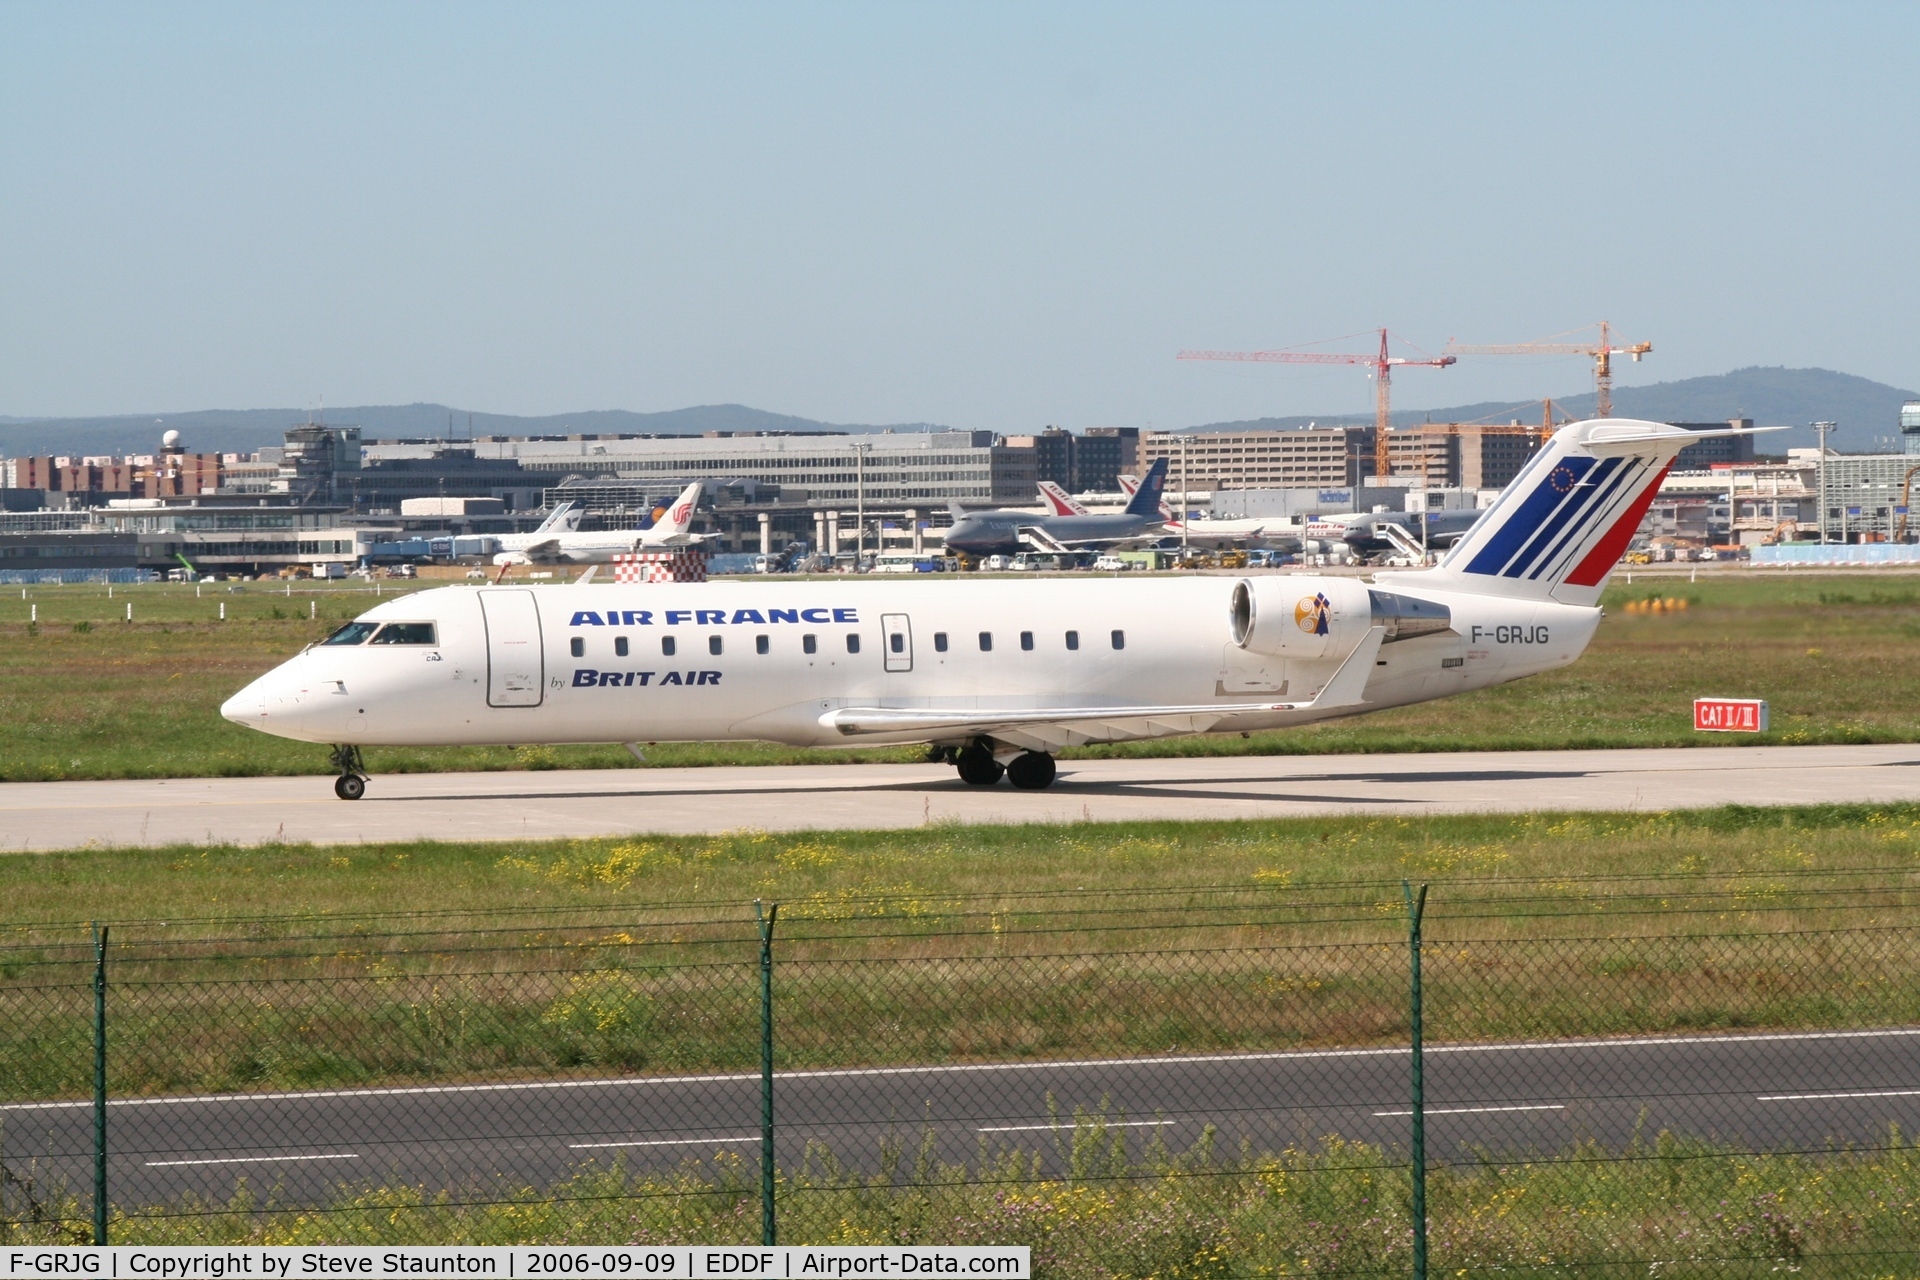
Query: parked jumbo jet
1007	532
994	675
567	546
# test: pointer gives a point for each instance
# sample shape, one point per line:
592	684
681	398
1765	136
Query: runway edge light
1730	715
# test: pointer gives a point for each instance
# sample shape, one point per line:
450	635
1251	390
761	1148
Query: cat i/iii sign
1730	715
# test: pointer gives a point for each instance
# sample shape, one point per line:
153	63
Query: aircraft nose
247	707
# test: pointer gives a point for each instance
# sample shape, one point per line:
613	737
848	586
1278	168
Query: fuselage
993	533
767	660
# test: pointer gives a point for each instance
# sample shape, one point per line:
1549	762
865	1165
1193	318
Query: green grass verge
1666	1205
949	944
1832	654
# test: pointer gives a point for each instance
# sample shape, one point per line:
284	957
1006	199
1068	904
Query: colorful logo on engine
1313	614
1562	479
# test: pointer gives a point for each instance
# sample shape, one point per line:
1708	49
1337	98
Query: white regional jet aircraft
568	546
995	675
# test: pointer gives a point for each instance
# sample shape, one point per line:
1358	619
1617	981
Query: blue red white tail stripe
1570	513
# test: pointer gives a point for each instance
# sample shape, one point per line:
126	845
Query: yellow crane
1602	352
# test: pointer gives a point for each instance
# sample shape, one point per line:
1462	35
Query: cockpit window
405	633
352	633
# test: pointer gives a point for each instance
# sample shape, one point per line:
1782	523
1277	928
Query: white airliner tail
1059	501
564	518
676	520
1558	530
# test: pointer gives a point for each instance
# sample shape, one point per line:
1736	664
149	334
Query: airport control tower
1910	427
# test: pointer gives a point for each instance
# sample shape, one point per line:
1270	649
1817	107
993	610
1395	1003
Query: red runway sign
1730	715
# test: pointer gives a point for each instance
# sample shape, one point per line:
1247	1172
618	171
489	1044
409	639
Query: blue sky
992	216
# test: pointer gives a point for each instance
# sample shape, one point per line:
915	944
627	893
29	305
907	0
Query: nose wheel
352	782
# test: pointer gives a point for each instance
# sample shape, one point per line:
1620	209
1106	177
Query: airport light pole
1821	429
1184	440
859	503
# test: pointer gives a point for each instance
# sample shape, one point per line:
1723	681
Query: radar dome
171	440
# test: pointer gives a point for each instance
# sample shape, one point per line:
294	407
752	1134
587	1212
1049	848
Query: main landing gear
352	782
979	767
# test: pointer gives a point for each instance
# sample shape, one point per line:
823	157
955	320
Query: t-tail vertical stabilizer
1558	530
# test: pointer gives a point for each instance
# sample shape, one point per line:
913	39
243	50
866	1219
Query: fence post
1416	908
100	1084
769	1227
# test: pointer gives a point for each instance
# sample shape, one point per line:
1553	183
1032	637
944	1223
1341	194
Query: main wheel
1031	771
978	768
349	786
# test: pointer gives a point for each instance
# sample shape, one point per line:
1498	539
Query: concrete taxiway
39	816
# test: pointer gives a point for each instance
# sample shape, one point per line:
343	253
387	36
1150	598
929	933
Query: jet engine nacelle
1310	618
1303	618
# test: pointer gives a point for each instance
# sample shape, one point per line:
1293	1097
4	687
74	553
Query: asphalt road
1803	1091
487	806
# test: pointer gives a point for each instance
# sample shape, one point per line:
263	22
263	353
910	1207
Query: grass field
291	967
858	872
87	694
1679	1207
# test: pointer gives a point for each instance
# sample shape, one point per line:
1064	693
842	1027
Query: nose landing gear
352	782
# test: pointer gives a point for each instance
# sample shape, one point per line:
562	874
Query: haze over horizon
988	217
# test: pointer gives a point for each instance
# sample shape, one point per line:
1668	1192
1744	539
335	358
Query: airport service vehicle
907	562
1009	532
564	544
994	675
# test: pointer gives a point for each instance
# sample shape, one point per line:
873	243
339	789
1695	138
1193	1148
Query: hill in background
244	430
1868	413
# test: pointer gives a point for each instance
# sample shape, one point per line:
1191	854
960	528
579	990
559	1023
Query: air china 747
995	676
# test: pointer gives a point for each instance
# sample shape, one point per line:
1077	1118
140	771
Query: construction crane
1602	352
1382	363
1906	503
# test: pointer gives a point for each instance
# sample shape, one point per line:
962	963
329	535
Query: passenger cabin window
1026	640
986	641
939	642
808	644
713	645
577	646
666	645
352	633
1119	639
897	642
759	644
1073	639
853	643
405	633
619	647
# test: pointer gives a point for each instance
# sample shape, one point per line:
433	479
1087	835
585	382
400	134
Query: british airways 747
994	675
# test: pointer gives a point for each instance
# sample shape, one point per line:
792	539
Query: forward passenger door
516	665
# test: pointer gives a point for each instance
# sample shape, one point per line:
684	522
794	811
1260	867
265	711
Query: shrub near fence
1616	1074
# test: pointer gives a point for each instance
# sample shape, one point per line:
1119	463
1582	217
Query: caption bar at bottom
517	1262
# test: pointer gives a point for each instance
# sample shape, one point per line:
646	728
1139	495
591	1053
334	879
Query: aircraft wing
541	552
1049	728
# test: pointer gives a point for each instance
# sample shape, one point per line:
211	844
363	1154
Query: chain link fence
1610	1075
